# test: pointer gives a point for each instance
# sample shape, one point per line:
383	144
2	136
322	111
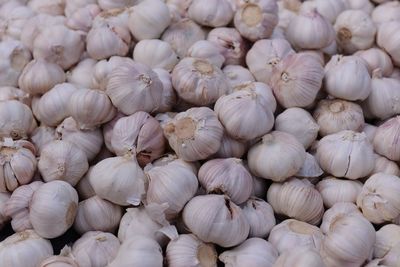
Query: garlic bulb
216	13
296	199
260	216
194	134
264	55
329	9
300	257
340	81
378	199
310	168
370	131
84	188
355	30
386	12
349	241
52	8
62	160
60	45
148	19
256	19
82	18
174	184
316	32
96	214
103	69
108	130
17	164
119	180
230	148
224	224
227	176
182	35
95	249
386	142
252	252
149	221
392	258
82	74
52	107
134	87
40	76
335	190
291	234
337	211
168	99
13	93
296	80
155	54
237	75
363	5
4	219
386	238
385	165
59	261
140	133
14	57
139	251
346	154
72	5
377	59
90	108
188	250
32	249
16	120
89	141
198	81
299	123
336	115
207	50
285	156
53	208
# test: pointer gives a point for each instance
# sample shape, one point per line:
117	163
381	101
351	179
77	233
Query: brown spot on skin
252	15
203	67
344	34
185	128
206	255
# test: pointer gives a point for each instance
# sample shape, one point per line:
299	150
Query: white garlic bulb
134	87
89	141
227	176
316	32
300	257
95	249
62	160
256	19
260	216
32	249
252	252
392	258
148	19
386	142
4	197
378	199
168	99
336	115
299	123
207	50
338	210
389	11
174	184
385	165
285	156
119	180
376	59
386	39
140	133
108	130
224	224
230	148
96	214
335	190
198	81
194	134
16	120
82	74
363	5
264	55
52	8
14	57
386	238
291	234
216	13
82	18
355	30
103	69
370	131
340	81
53	208
84	188
297	79
58	44
237	75
330	9
188	250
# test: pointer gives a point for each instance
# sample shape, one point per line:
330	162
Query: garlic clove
385	139
386	238
168	99
310	168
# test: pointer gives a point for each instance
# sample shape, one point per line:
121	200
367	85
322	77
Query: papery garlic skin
148	19
230	148
299	123
330	9
336	115
338	210
385	165
16	119
13	21
226	227
52	8
119	180
14	57
103	69
285	156
377	59
61	160
386	238
260	216
53	208
82	18
237	75
207	50
96	214
389	11
255	251
32	249
385	141
335	190
296	80
84	188
292	234
82	74
362	5
73	5
227	176
300	257
188	250
195	134
310	168
297	199
346	154
387	39
378	199
168	99
59	261
13	93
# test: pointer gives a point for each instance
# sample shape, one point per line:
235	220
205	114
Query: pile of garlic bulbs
199	133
